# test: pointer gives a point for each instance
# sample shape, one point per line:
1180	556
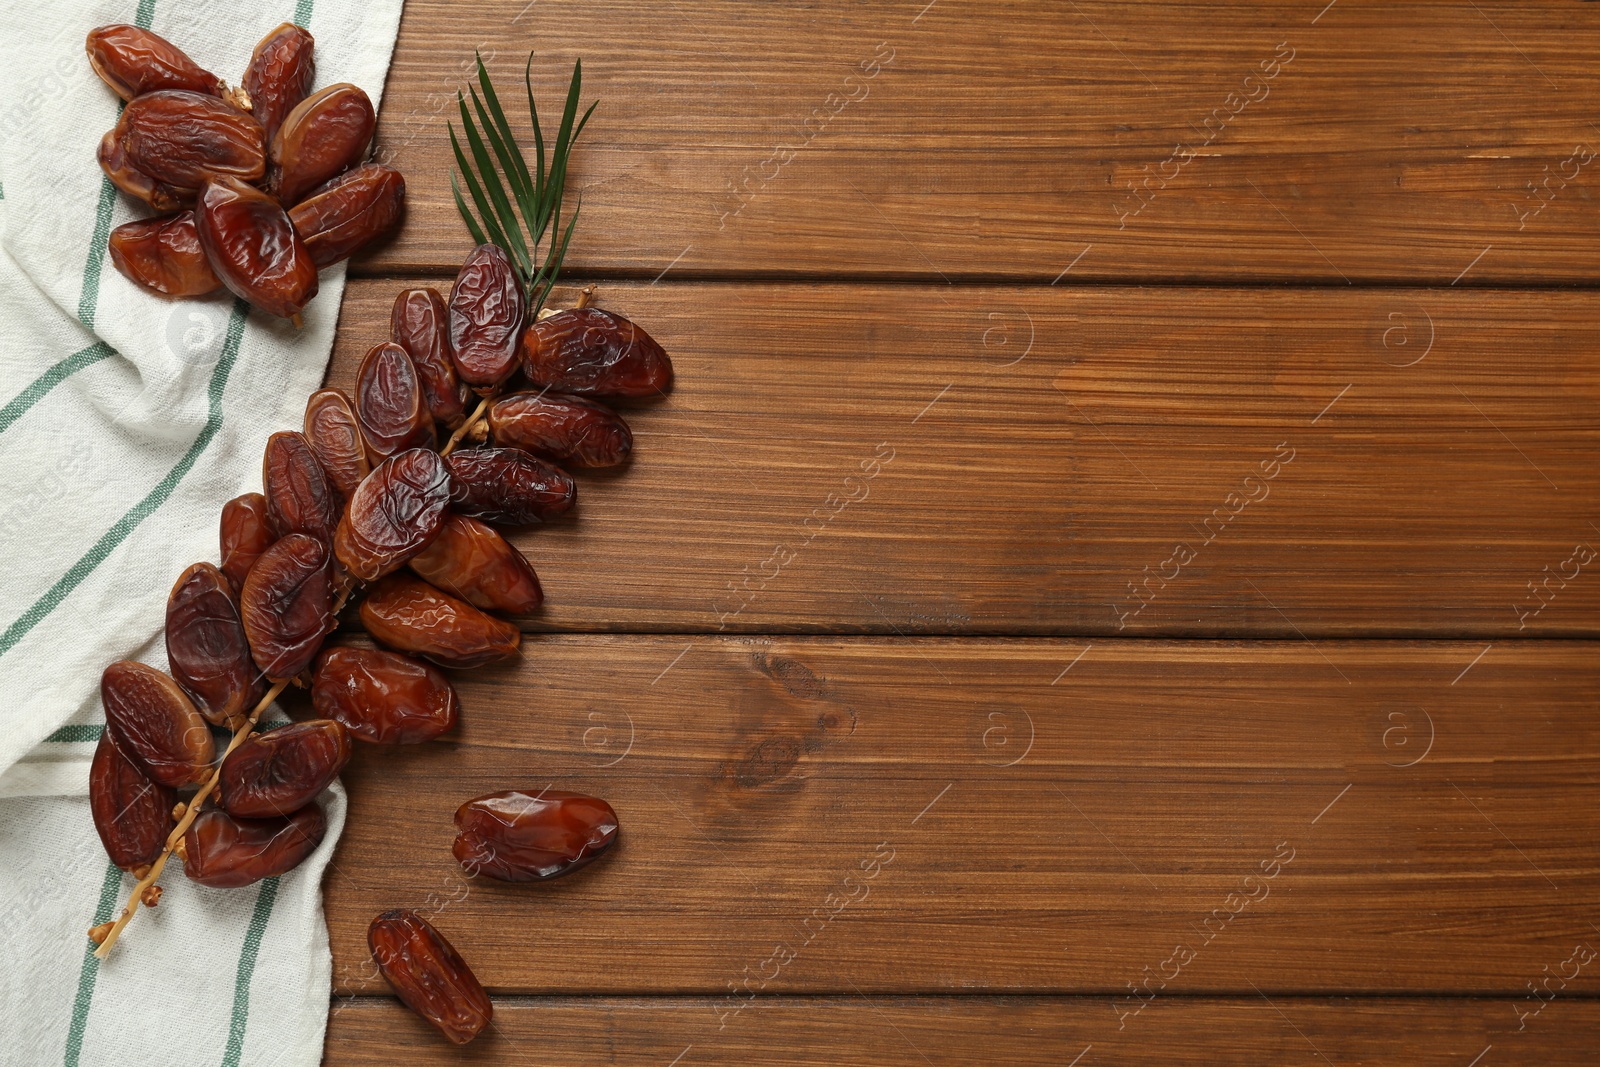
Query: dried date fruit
408	614
280	771
335	437
508	486
280	74
566	428
527	837
163	254
420	324
486	313
343	216
429	975
254	249
470	560
592	352
383	697
206	647
223	852
300	498
246	533
132	813
135	182
394	514
133	61
183	138
326	133
155	724
286	605
390	403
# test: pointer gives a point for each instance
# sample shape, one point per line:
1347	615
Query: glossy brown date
527	837
569	429
246	533
390	403
183	138
408	614
253	248
133	181
132	813
280	74
394	514
339	218
429	975
383	697
334	435
280	771
206	648
163	255
486	313
470	560
508	486
286	605
300	498
326	133
134	61
420	324
155	724
223	852
592	352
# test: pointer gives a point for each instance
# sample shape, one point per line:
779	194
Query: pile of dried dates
259	186
372	498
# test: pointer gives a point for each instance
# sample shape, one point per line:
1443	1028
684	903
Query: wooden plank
812	815
1089	461
914	1032
1410	141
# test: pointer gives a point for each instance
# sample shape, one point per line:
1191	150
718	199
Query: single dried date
408	614
136	183
156	724
429	975
394	514
390	403
253	247
346	214
508	486
592	352
486	313
470	560
300	498
132	814
280	771
206	647
280	74
246	533
287	603
528	837
334	435
223	852
420	324
569	429
133	61
326	133
383	697
183	138
164	255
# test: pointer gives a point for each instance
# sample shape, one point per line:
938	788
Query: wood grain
966	815
1088	461
1402	142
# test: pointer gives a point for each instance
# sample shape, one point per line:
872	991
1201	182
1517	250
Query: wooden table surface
1112	582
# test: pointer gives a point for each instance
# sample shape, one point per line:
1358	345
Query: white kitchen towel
126	421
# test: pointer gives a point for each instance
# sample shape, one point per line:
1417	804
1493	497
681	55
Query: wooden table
1112	583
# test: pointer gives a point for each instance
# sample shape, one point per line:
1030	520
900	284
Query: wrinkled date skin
409	614
281	771
134	61
394	514
509	486
206	647
133	181
246	533
470	560
420	324
225	853
335	437
300	498
592	352
429	975
132	813
527	837
280	74
253	247
163	255
326	133
338	219
286	605
383	697
183	138
566	428
486	313
155	724
390	403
